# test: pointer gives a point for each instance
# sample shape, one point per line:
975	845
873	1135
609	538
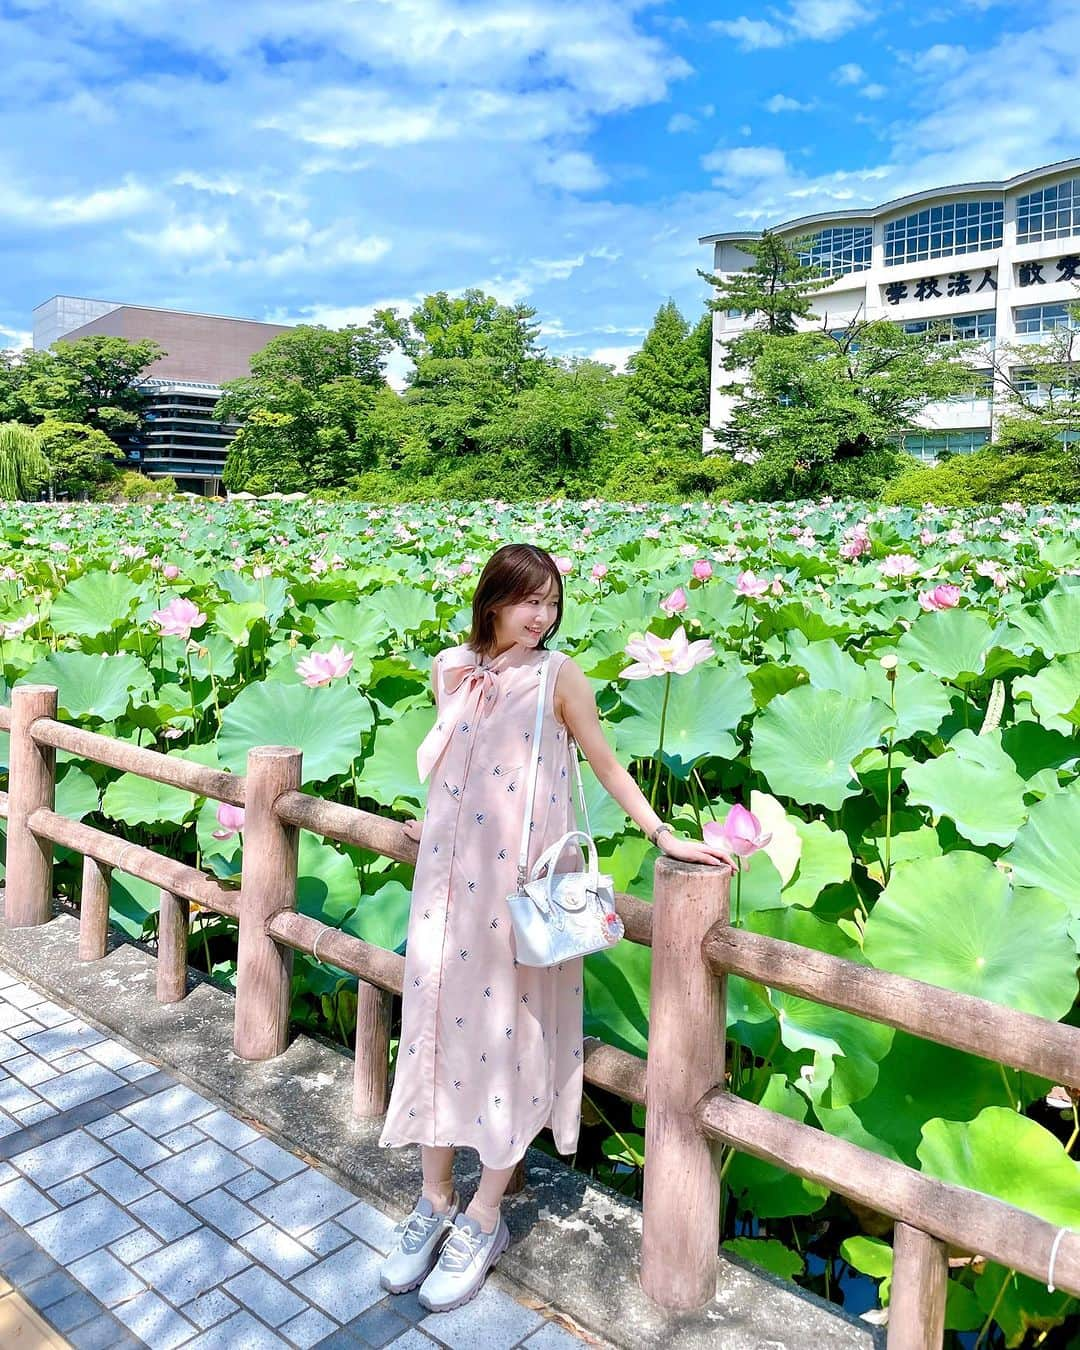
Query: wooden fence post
32	786
919	1279
94	909
373	1011
268	884
172	947
687	1036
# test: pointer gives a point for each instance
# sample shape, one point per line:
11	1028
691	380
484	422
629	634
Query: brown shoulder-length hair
511	575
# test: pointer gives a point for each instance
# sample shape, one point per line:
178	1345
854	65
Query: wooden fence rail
691	1116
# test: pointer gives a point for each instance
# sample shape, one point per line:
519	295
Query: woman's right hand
412	829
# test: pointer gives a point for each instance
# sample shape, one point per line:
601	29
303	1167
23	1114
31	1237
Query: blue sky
310	160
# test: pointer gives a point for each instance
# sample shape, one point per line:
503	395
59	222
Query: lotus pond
895	694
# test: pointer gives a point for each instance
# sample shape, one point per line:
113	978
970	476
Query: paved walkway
135	1212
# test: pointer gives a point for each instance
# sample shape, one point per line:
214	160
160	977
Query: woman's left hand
693	850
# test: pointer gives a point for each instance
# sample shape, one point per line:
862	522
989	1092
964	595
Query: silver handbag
560	915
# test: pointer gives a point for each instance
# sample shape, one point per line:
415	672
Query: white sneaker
466	1258
418	1237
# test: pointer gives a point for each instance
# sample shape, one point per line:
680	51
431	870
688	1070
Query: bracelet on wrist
654	837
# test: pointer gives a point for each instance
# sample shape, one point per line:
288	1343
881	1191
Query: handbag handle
538	725
547	858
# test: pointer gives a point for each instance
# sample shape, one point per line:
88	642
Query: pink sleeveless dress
490	1051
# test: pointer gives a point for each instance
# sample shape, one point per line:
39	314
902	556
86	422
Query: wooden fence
691	1115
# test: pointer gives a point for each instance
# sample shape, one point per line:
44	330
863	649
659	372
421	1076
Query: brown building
202	352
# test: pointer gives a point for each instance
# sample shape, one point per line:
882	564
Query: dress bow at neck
466	690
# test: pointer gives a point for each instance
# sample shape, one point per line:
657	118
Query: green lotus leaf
405	608
846	1048
769	1254
1007	1155
1052	625
1055	691
1036	749
795	617
765	1190
616	988
327	886
626	611
76	793
91	685
234	621
805	742
770	679
326	723
704	706
975	784
951	643
389	771
269	592
870	1256
215	656
1019	1304
93	604
956	921
132	903
824	861
141	801
359	627
1047	848
382	917
716	605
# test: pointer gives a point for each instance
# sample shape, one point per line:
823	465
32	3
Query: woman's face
528	620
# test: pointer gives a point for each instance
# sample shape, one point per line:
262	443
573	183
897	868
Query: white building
999	261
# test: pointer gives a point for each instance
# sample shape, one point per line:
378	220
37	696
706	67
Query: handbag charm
560	915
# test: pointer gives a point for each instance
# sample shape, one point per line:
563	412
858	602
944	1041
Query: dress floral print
490	1051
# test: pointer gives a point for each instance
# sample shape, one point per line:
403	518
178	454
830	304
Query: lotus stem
891	676
660	750
993	1309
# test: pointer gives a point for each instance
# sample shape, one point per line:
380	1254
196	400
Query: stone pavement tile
107	1125
66	1156
241	1332
370	1224
107	1279
103	1332
8	1126
9	1047
49	1289
32	1265
14	1096
51	1014
168	1219
309	1329
73	1311
551	1336
78	1188
226	1213
154	1322
414	1340
75	1060
327	1238
379	1324
272	1158
56	1042
137	1244
209	1309
490	1321
260	1293
303	1202
30	1115
276	1249
111	1101
408	1305
185	1137
138	1148
227	1130
150	1084
13	1246
22	996
24	1202
249	1184
12	1019
167	1110
7	1172
70	1089
196	1170
189	1267
81	1228
136	1072
343	1339
113	1055
29	1069
345	1284
120	1181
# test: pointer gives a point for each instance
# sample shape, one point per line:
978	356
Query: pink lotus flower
231	820
321	667
701	570
170	571
665	656
599	571
899	565
750	586
675	603
178	618
565	566
777	586
740	832
926	537
941	597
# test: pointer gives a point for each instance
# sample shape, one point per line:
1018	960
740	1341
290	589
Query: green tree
90	382
81	459
824	412
1038	389
23	467
667	381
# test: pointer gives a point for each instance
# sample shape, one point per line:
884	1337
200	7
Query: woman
490	1051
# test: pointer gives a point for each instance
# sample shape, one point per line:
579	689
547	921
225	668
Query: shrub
988	476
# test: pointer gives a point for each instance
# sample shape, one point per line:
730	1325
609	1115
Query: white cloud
780	103
556	269
614	356
750	34
94	208
849	73
746	161
680	122
573	171
815	20
16	339
188	239
873	91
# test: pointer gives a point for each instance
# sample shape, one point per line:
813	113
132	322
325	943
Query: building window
929	445
982	390
1043	318
956	327
938	231
1051	213
841	249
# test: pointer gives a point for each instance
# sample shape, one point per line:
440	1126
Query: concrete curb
574	1243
